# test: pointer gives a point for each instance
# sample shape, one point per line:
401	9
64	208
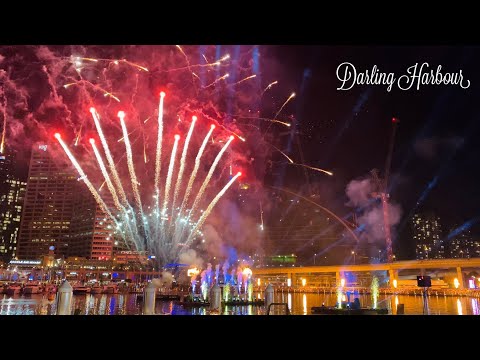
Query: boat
13	289
81	290
241	302
189	304
32	288
330	310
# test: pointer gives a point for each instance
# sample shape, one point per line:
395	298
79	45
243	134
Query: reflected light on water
289	301
305	312
475	306
459	307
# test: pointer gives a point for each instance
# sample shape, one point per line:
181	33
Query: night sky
436	151
434	164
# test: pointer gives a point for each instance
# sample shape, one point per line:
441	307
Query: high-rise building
427	233
59	211
12	192
463	245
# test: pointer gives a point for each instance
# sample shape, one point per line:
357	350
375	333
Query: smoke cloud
370	220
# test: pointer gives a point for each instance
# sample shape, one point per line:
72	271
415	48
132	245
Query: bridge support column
460	278
338	278
289	279
393	275
294	279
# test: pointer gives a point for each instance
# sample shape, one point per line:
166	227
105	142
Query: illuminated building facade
463	245
12	192
59	211
427	233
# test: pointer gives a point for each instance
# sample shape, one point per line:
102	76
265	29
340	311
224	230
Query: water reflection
459	307
298	303
475	306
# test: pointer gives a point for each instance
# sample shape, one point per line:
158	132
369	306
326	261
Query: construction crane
382	190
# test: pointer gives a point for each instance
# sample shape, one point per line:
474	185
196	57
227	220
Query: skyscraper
59	211
427	233
12	192
463	245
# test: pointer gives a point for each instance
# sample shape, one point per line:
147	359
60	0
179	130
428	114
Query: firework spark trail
189	67
195	170
288	158
292	95
158	152
182	164
84	177
96	87
4	129
266	119
313	168
131	168
209	176
217	80
216	63
168	182
111	163
77	139
209	208
261	216
247	78
107	177
268	87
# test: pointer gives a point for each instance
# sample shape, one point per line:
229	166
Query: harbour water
298	303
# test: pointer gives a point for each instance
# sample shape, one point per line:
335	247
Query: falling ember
111	95
247	78
268	87
210	207
292	95
135	65
219	79
266	119
281	152
144	153
83	176
314	168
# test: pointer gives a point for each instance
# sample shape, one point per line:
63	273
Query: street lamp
304	282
